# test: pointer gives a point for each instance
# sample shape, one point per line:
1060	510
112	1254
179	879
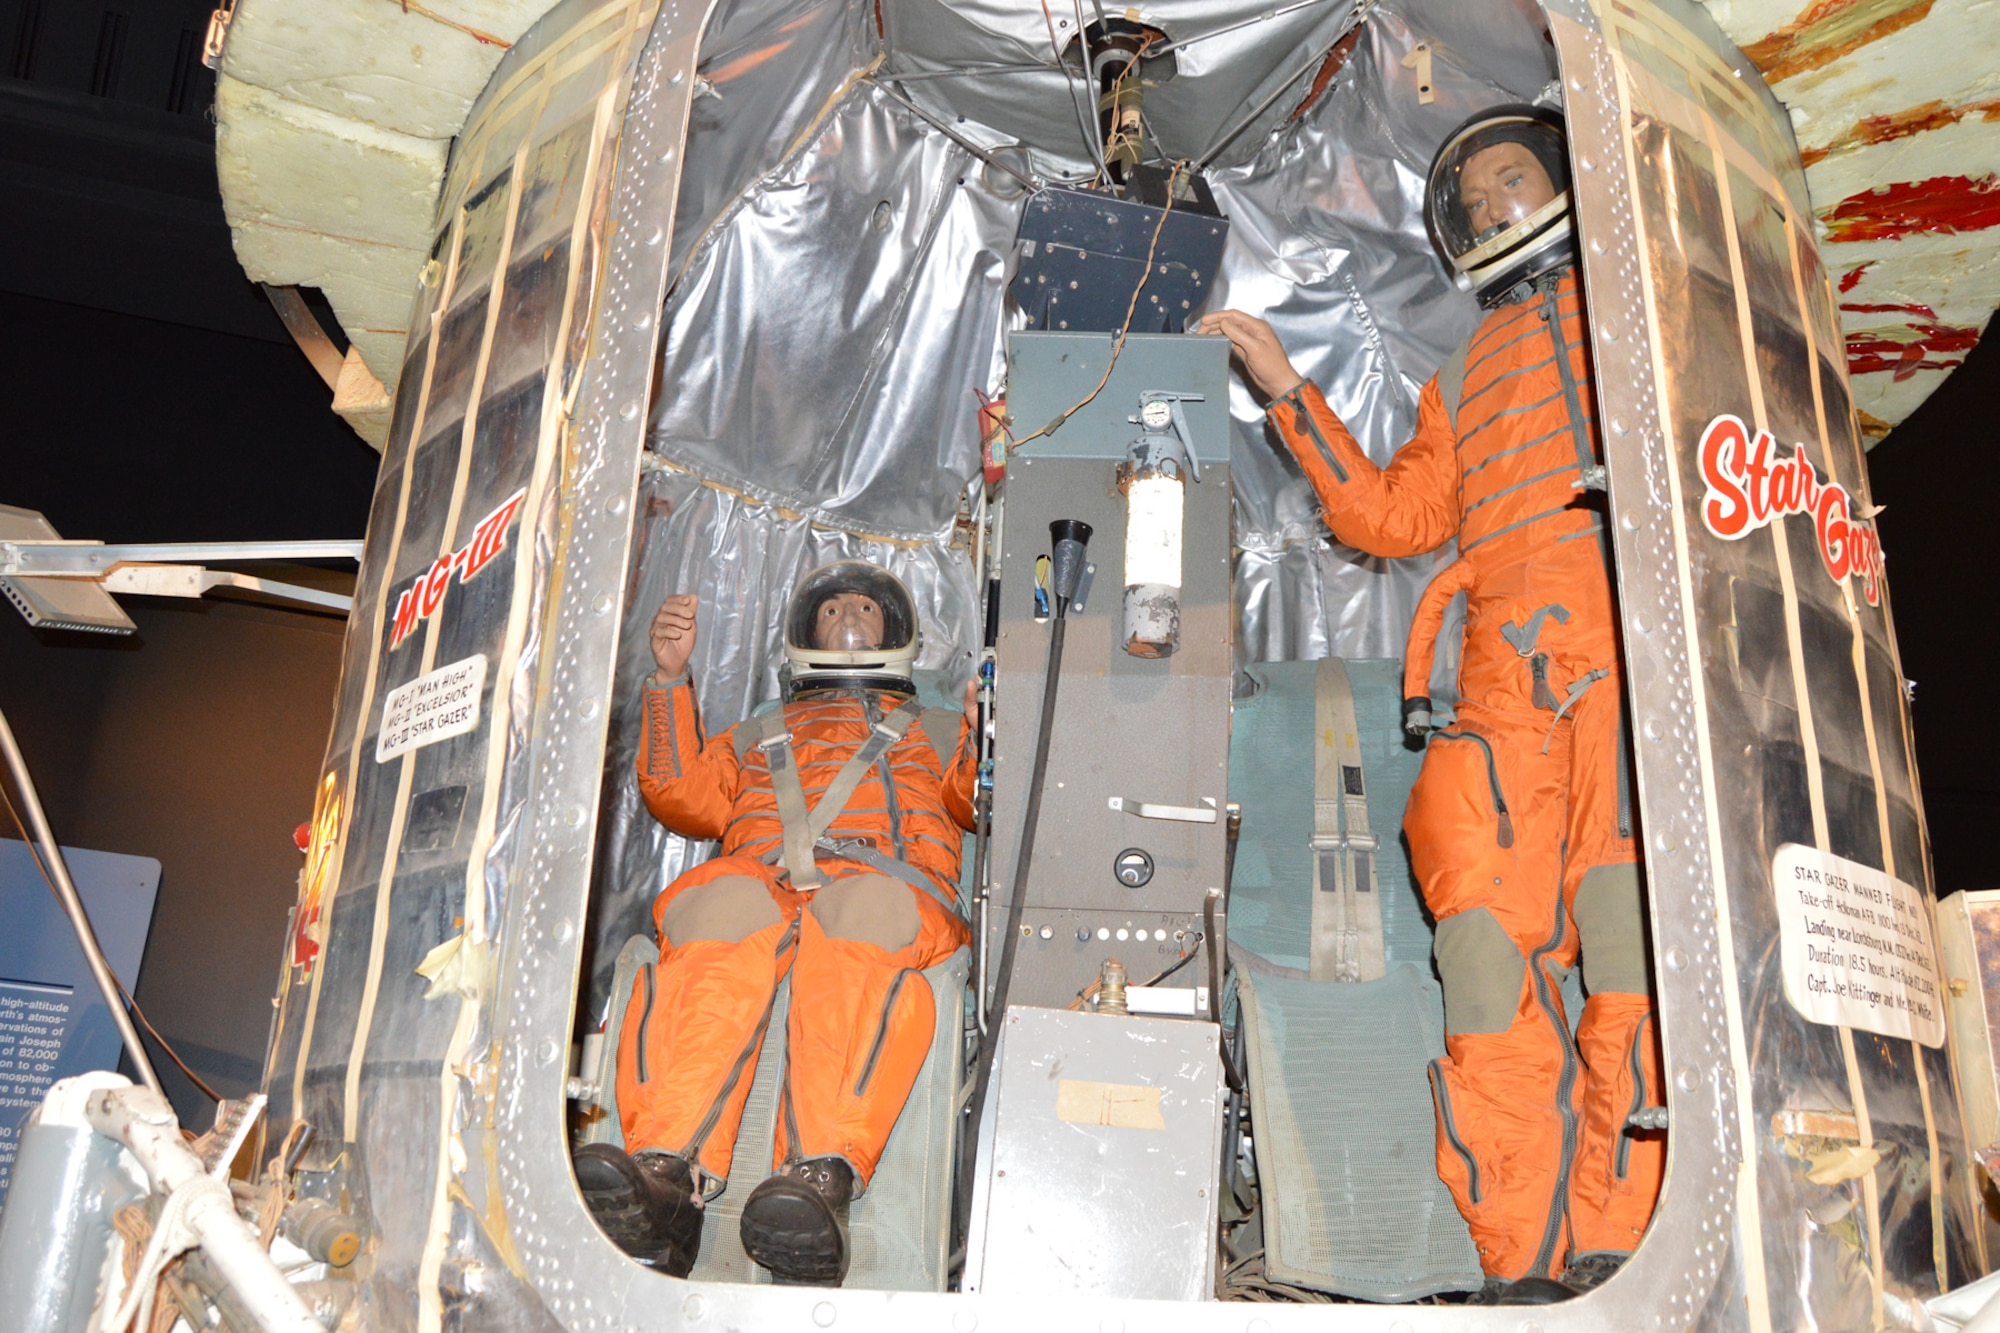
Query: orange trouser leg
688	1050
1508	1088
1616	1176
862	1018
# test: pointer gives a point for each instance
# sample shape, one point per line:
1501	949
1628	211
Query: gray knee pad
727	908
1482	969
1610	916
874	909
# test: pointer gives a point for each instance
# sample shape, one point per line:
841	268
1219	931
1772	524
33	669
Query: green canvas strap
802	824
1346	910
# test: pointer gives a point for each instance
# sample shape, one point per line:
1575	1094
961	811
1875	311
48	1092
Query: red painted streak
1942	204
1852	278
1864	309
1869	354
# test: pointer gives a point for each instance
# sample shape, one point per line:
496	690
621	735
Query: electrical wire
130	1003
1089	992
1152	248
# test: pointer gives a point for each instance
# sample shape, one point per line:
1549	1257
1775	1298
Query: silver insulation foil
831	315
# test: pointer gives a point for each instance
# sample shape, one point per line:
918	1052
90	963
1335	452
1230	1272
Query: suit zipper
1624	775
1551	1004
645	1021
1552	314
1303	420
1451	1131
714	1113
1505	836
1624	1153
881	1030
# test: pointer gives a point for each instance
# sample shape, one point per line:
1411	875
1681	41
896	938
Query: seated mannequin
840	819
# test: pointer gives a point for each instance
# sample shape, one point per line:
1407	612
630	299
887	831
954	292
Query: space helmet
1514	241
848	663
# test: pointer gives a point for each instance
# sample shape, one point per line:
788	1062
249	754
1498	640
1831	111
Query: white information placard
440	704
1857	945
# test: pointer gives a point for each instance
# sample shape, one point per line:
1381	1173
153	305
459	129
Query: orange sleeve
1407	508
689	784
961	778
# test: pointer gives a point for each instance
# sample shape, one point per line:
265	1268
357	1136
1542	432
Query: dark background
151	394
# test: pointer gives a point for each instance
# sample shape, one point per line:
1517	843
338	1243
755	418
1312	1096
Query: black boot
646	1204
795	1222
1520	1291
1591	1269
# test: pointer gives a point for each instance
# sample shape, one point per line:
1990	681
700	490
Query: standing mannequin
1520	825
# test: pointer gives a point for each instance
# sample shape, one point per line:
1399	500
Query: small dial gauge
1134	868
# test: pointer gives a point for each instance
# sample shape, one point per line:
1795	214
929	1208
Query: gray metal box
1098	1158
1139	729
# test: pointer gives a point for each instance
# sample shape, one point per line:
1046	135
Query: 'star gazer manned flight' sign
1749	485
421	599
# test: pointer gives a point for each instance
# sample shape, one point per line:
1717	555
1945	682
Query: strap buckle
1354	842
770	743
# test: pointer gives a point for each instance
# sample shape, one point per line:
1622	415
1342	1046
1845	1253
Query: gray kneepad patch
1482	970
1610	918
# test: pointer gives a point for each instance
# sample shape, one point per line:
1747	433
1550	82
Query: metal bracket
1205	813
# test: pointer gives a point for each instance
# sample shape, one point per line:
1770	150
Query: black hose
1070	536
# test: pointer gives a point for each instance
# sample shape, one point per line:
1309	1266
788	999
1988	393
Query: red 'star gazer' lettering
423	597
1749	485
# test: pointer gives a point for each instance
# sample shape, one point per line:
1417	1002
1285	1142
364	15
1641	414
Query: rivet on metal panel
653	237
1608	334
627	411
1630	520
824	1314
563	930
676	77
1688	1079
1587	163
694	1309
1654	731
587	710
1618	423
1665	842
615	505
545	1053
573	816
602	603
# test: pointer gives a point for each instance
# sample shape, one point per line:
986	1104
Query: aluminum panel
1103	1172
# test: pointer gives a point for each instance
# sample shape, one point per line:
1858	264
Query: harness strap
1346	910
1451	378
1576	690
1522	637
803	825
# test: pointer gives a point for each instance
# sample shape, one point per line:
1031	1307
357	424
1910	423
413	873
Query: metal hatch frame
518	1248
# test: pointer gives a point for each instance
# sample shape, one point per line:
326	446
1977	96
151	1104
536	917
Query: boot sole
796	1236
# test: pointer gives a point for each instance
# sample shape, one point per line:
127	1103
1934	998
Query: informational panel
53	1022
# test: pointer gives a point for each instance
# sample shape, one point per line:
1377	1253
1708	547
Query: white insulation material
334	119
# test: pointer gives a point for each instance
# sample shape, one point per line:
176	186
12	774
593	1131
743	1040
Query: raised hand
673	634
1256	345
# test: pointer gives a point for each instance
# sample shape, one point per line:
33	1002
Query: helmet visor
1493	183
850	607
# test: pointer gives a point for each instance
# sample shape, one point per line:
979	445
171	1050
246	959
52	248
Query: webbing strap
856	849
804	824
1346	910
1451	379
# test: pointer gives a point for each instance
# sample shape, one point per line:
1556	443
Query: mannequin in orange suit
852	915
1520	825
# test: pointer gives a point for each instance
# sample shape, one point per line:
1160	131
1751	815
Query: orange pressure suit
862	1016
1520	825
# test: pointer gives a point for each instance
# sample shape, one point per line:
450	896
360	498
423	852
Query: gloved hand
1256	345
673	635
